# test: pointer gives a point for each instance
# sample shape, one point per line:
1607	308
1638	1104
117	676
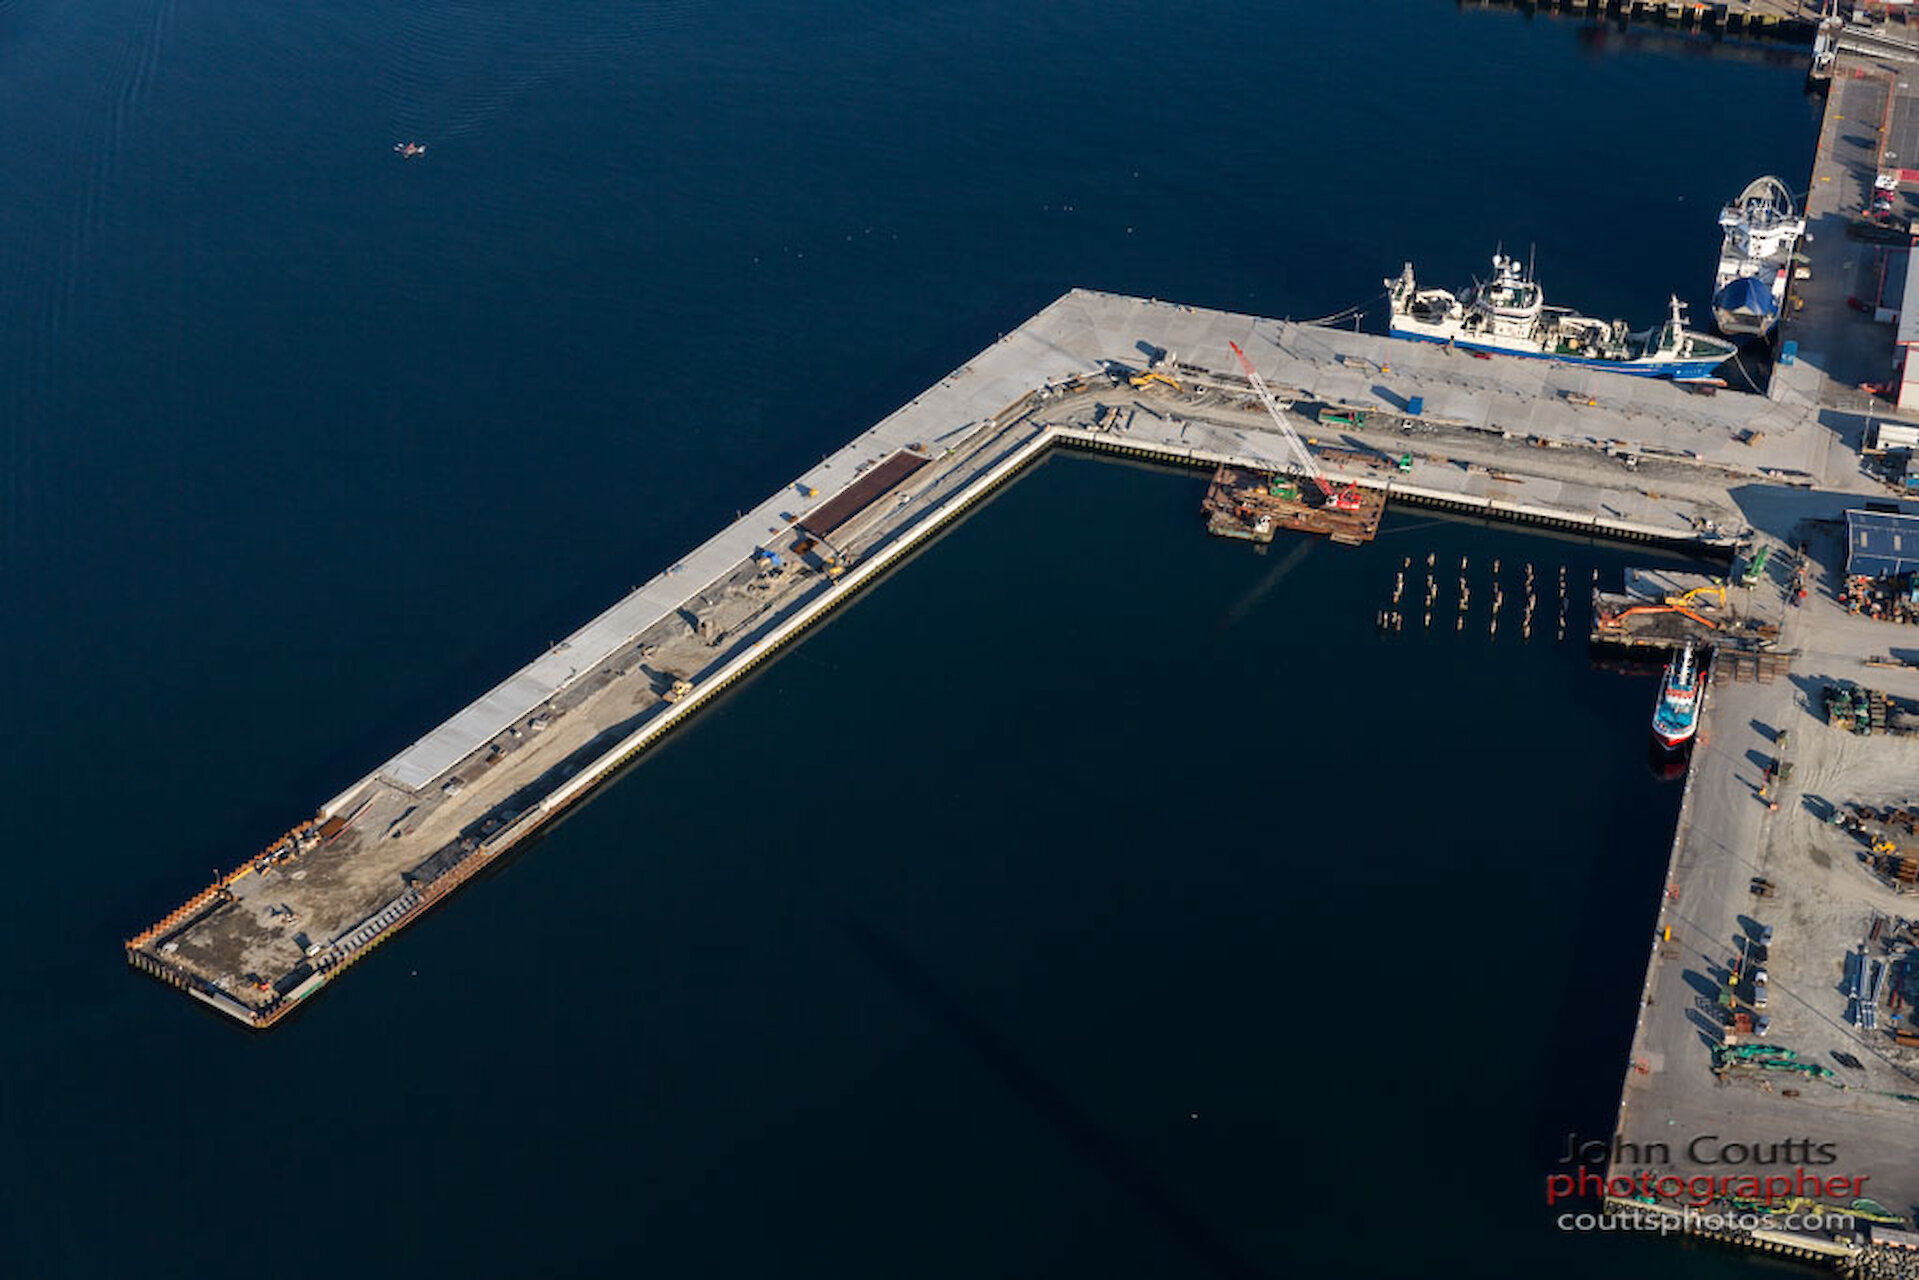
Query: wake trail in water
129	86
88	162
455	65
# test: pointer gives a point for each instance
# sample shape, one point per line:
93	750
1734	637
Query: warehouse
1881	544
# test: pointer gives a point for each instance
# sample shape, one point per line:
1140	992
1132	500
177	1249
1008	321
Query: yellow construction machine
1715	589
1144	380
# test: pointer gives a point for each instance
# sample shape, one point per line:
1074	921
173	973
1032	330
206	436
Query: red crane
1346	499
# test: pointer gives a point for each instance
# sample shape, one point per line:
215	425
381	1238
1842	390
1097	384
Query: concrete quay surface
1532	440
1676	1115
1859	1106
1783	17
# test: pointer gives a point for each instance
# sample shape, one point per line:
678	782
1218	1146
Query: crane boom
1348	499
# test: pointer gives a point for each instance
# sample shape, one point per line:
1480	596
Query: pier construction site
1761	1014
1661	610
1781	967
1788	18
1564	447
1759	482
1380	419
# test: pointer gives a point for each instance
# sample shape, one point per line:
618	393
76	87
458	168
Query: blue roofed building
1881	544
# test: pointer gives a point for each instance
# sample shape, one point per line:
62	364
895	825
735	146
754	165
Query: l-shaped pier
1526	440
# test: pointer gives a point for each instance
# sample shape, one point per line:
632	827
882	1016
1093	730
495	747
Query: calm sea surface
1093	898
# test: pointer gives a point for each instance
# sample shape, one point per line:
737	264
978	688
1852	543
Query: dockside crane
1346	499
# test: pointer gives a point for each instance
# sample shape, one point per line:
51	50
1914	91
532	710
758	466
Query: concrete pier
1765	1015
1530	440
1525	440
1739	865
1787	18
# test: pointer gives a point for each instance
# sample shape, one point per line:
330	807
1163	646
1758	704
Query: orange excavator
1679	604
1680	609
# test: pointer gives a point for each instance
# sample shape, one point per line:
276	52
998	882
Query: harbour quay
1783	960
1787	871
1558	446
1771	17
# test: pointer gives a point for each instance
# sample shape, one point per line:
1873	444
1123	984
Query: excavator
1680	604
1715	589
1144	380
1679	609
831	560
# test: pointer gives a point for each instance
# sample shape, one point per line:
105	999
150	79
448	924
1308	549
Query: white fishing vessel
1755	258
1508	315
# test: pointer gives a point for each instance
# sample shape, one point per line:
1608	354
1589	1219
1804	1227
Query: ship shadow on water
1665	763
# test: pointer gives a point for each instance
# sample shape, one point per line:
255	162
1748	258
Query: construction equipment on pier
1254	506
832	562
1664	609
1143	381
1346	499
1765	1057
1717	589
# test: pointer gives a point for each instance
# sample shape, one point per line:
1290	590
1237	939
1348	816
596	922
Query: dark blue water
1093	897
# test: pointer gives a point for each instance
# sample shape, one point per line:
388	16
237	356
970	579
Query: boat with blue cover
1762	231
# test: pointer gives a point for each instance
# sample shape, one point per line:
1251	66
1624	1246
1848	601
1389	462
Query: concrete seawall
601	770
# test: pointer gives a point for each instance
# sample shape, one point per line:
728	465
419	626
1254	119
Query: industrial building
1881	544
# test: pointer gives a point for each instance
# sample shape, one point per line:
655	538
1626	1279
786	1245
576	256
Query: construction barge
261	940
1256	505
